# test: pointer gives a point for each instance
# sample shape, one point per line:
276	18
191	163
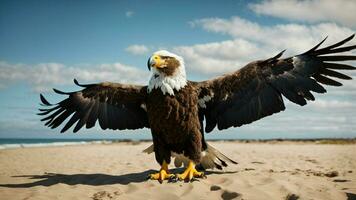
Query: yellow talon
163	173
190	173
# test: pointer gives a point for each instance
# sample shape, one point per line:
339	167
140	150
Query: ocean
8	143
20	143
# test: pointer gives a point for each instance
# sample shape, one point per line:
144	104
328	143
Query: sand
282	170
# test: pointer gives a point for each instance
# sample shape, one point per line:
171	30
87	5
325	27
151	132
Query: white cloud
295	37
44	76
252	41
137	49
332	104
340	11
219	57
129	13
305	121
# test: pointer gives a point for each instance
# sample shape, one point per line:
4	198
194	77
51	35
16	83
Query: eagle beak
155	61
149	64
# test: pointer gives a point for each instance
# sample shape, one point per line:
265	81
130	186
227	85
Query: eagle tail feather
211	158
214	159
149	149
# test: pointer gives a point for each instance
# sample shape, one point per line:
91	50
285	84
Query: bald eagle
175	108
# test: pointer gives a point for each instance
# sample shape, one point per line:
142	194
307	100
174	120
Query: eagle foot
162	175
190	173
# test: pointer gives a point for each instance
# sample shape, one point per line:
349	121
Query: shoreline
70	142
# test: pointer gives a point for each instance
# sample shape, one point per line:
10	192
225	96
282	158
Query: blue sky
45	44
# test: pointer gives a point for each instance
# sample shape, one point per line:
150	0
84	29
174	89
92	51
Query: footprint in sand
215	188
104	195
331	174
312	161
341	180
292	197
257	162
226	195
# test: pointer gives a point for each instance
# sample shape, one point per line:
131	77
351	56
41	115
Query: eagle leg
163	173
190	173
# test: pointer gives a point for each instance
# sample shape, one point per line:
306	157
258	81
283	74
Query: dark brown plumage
113	105
175	109
256	90
175	123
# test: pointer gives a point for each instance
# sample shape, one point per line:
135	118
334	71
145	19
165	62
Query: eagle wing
114	105
255	91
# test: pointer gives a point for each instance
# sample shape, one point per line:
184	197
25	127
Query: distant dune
268	169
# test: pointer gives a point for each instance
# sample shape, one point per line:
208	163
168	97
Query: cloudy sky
45	44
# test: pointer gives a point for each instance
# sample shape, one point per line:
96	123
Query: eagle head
168	72
165	62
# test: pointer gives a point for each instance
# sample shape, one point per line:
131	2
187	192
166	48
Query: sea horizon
8	143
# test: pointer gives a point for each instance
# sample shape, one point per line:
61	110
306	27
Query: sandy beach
272	170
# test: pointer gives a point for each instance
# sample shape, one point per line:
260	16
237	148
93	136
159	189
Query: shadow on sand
49	179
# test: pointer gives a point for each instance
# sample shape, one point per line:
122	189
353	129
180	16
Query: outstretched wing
114	105
255	91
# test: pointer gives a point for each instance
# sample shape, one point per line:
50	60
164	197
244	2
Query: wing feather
115	106
93	116
255	91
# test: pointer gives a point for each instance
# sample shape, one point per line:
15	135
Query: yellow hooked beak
155	61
